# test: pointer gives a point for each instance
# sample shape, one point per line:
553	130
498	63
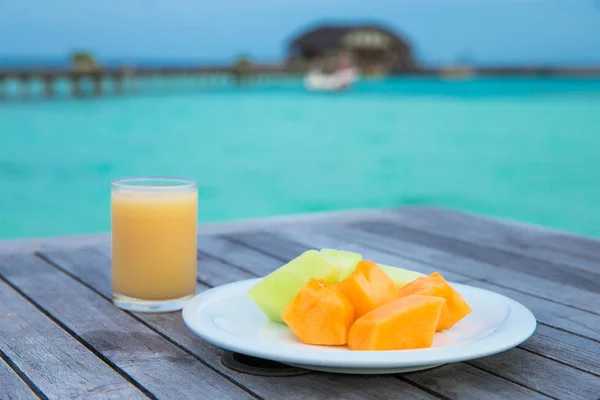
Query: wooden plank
559	273
270	243
301	219
339	386
561	342
12	246
572	350
468	267
175	328
314	385
57	364
564	343
464	381
579	321
511	233
155	363
563	346
213	272
283	249
552	314
286	244
247	259
474	385
209	271
12	386
544	375
537	242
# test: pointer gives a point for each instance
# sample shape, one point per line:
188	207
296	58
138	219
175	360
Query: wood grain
314	385
563	345
55	362
555	274
464	381
542	374
525	239
445	260
553	314
213	272
153	362
559	273
12	386
287	244
583	322
474	385
578	352
244	258
580	321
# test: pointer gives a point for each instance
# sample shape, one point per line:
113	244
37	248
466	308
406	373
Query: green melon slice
345	260
274	292
400	276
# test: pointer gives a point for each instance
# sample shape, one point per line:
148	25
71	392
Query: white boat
341	79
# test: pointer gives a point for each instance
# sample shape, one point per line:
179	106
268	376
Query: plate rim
513	336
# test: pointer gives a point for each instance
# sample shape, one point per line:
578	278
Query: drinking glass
154	226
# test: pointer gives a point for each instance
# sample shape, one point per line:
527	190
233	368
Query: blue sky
488	31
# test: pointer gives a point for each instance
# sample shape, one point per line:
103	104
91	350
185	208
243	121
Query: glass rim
154	183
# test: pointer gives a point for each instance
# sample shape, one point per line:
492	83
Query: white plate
226	317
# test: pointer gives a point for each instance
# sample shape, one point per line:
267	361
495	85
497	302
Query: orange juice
153	241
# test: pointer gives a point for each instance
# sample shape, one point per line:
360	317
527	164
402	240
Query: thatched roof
330	37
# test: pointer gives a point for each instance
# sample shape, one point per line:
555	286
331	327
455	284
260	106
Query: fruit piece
274	292
320	314
405	323
455	309
346	261
368	288
400	276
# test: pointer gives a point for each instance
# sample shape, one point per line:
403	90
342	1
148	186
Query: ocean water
526	149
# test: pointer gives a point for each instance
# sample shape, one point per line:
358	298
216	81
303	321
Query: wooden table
61	337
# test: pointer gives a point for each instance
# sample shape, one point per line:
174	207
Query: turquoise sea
527	149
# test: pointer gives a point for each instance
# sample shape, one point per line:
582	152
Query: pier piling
97	81
76	86
24	86
118	83
48	85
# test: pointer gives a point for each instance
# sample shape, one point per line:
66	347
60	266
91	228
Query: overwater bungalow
375	50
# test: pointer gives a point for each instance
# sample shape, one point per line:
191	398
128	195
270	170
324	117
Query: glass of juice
154	226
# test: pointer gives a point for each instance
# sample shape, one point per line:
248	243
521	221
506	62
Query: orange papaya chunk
406	323
320	314
455	309
368	288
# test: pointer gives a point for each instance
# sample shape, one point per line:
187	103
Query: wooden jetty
61	337
245	75
49	77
